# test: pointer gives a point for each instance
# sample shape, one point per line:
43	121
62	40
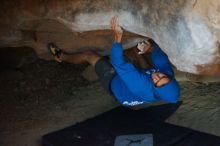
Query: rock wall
188	31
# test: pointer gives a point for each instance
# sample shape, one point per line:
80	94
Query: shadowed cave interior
39	96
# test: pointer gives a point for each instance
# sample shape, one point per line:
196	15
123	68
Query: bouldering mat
103	129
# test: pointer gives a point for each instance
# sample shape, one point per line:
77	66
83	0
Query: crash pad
104	129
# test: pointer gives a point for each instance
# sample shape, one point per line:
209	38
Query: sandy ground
38	97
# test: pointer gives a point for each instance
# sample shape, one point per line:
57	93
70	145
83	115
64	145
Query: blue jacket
132	86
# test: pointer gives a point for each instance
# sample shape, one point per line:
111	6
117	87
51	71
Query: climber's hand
144	47
116	28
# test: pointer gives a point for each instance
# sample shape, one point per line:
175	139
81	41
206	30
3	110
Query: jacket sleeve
160	59
135	81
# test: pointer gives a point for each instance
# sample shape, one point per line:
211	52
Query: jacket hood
170	92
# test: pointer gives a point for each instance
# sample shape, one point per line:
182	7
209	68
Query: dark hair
140	61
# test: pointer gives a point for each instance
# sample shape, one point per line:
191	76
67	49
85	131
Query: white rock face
189	38
188	31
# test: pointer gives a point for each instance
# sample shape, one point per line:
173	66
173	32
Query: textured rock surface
188	31
200	108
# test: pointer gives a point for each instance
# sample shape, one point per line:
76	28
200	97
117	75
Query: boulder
188	31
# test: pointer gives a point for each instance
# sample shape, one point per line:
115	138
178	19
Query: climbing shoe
55	51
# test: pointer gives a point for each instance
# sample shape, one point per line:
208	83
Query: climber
139	75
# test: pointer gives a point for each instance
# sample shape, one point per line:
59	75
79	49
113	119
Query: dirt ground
39	96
